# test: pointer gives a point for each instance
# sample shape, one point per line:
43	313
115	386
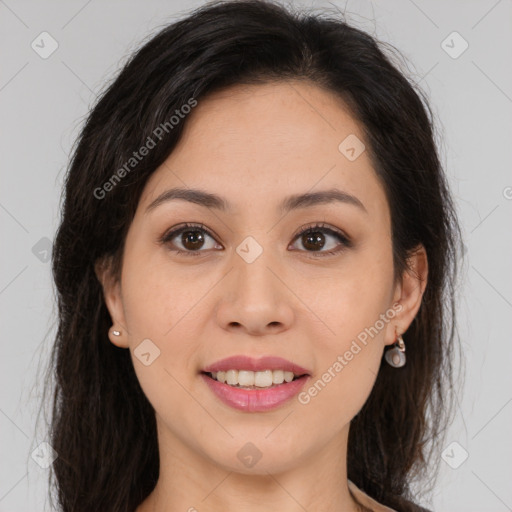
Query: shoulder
375	506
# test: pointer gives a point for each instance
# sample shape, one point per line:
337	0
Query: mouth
254	393
254	385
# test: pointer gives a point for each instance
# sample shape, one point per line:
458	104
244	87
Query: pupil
193	237
311	238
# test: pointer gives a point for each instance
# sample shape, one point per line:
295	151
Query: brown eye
192	239
316	238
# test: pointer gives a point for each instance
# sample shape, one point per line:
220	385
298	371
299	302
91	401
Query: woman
256	210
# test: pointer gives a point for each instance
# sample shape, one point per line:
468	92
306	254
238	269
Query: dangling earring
395	356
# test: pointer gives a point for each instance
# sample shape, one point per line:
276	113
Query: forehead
258	143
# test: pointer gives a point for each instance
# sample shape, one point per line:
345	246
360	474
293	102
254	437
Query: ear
409	291
113	300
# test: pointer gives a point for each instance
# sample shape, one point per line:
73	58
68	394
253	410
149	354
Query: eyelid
322	226
177	230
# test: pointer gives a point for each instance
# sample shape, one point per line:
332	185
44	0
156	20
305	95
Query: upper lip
241	362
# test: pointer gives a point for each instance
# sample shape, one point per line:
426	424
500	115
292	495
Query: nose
255	298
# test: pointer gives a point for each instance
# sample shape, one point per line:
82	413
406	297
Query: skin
255	145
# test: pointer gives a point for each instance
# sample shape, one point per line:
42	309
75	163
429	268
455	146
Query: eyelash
345	242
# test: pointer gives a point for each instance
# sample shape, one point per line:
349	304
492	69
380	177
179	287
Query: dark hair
103	427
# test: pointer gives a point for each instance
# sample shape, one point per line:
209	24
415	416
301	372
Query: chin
257	457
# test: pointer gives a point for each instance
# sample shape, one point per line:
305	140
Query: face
250	279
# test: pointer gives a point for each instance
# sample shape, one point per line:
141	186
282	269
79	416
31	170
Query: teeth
263	379
246	378
278	376
232	377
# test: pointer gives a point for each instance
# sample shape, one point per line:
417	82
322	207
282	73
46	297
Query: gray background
43	103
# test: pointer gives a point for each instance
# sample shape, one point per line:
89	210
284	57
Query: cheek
353	296
334	397
158	296
355	306
161	305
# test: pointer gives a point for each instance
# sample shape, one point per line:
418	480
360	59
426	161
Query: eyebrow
293	202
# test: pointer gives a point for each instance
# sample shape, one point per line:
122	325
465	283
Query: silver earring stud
116	333
395	356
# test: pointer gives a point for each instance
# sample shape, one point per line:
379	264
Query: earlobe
113	300
411	289
117	337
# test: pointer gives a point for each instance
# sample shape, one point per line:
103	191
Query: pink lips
255	400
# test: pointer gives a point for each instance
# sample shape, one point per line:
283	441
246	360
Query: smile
254	398
255	384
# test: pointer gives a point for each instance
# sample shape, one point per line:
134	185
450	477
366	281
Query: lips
255	400
241	362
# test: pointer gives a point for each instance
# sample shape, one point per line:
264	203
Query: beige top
366	501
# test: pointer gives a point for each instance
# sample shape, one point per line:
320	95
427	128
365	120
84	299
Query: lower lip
255	400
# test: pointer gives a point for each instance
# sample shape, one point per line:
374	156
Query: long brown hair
103	427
